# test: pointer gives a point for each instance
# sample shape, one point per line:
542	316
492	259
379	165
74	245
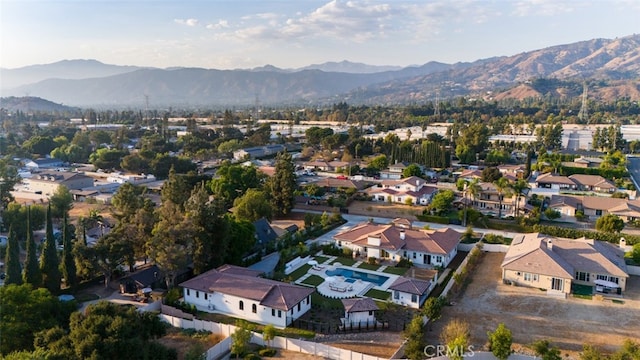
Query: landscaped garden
313	280
378	294
299	272
367	266
344	261
395	270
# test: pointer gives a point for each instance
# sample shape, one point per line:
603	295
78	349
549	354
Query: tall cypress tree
32	274
283	185
49	261
68	262
14	273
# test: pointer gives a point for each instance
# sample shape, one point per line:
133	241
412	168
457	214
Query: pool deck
338	287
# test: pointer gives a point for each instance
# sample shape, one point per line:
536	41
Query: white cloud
222	24
187	22
543	7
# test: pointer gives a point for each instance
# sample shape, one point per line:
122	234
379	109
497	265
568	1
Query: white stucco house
359	312
398	240
411	292
239	292
398	191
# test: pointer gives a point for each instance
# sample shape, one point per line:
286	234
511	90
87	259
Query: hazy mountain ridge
30	103
616	62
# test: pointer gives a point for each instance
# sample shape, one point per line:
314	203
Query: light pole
464	198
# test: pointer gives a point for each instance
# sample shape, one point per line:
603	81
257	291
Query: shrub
372	261
404	263
347	252
267	352
252	356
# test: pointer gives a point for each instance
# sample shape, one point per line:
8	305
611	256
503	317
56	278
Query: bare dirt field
531	315
388	210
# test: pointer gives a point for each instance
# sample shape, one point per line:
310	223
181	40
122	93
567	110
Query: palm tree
502	187
474	189
518	188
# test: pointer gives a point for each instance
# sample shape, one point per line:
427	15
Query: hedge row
605	173
577	233
434	219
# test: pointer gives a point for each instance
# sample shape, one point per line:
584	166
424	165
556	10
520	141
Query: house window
279	313
598	212
405	254
254	308
414	298
396	295
273	312
527	277
197	294
535	277
370	312
188	292
298	306
339	243
582	276
557	284
438	259
414	255
241	305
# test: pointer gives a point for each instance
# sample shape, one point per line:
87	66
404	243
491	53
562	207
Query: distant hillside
610	66
32	104
65	69
610	60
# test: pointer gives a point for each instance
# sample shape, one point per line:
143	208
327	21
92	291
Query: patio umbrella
312	263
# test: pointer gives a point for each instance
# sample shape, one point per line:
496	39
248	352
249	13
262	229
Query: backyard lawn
369	266
299	272
320	259
395	270
313	280
378	294
344	261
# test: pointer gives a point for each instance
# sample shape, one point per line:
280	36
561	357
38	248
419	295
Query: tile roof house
240	293
399	191
396	240
595	206
359	312
488	201
394	171
554	264
577	182
411	292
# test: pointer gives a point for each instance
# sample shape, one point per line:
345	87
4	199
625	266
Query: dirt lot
531	315
388	210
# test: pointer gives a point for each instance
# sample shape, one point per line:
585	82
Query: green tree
432	308
544	349
518	188
590	352
500	342
61	202
32	274
635	253
552	214
502	186
232	180
412	170
16	215
609	223
49	262
10	177
127	200
268	334
241	240
241	338
378	163
455	336
253	205
441	202
175	189
491	174
69	271
26	311
12	260
107	159
282	185
414	339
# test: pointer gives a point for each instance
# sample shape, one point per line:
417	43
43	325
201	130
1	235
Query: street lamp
464	198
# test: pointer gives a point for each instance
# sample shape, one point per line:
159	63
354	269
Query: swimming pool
352	276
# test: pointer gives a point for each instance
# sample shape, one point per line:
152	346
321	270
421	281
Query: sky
241	34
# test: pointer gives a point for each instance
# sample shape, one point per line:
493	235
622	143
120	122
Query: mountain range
611	64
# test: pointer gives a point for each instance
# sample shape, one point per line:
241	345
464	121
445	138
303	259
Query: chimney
402	234
549	244
623	243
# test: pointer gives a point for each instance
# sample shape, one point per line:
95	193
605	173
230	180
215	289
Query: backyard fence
297	345
501	248
294	264
328	328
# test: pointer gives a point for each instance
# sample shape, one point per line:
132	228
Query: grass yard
313	280
582	290
344	261
299	272
320	259
395	270
368	266
325	303
378	294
